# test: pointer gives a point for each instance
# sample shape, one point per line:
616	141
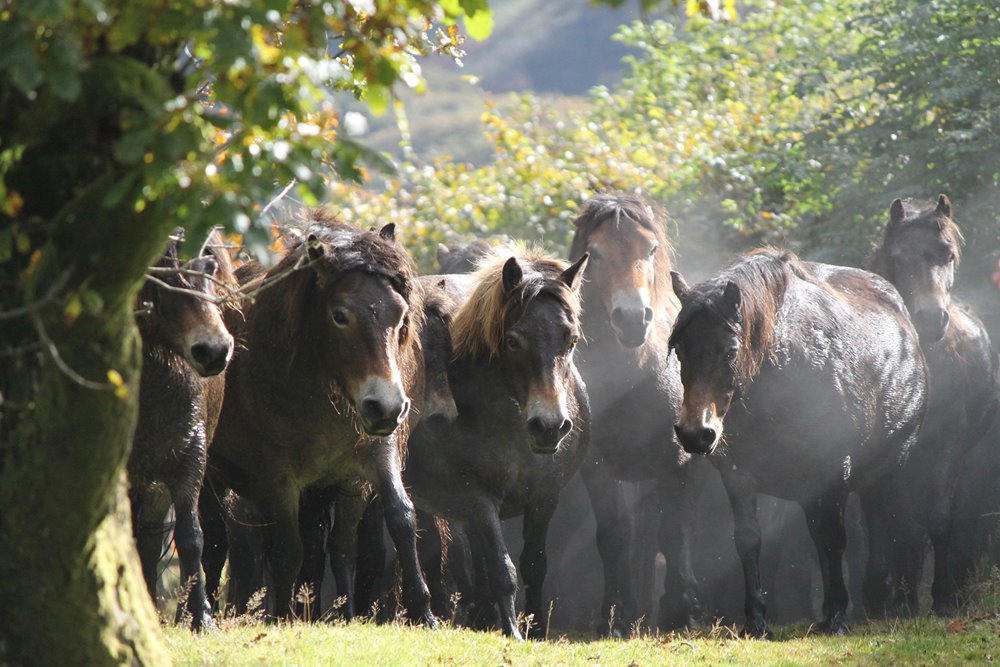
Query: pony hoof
757	630
835	627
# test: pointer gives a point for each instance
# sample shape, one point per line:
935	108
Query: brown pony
634	386
814	374
185	348
462	257
320	391
522	421
918	253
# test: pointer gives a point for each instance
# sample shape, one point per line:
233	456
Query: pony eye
340	317
404	332
573	340
652	251
513	343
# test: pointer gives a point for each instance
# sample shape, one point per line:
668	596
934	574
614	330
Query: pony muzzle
382	408
631	317
545	432
931	324
209	352
699	440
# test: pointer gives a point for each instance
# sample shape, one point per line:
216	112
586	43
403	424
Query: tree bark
71	588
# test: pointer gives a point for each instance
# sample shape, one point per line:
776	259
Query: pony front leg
348	511
746	533
189	540
534	564
283	546
501	577
613	537
401	519
825	518
680	605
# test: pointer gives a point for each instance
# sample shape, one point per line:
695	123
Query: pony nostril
699	440
945	318
372	410
210	357
617	317
565	428
404	410
647	315
535	427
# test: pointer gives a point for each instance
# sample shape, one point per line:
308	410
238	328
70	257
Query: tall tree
118	122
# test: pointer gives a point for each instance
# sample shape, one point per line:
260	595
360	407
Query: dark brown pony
185	348
918	253
635	388
319	393
462	257
817	374
522	425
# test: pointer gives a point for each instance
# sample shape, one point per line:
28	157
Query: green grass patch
926	641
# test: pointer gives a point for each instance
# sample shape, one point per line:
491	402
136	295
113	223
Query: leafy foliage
198	109
795	125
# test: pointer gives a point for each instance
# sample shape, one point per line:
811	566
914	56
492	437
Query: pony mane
478	328
916	213
763	277
603	208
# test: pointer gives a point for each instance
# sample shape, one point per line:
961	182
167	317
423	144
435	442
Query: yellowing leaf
13	203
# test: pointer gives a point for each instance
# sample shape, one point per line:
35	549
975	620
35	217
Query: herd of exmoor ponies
348	400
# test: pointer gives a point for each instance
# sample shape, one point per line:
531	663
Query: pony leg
189	540
401	519
215	543
368	580
613	537
314	524
502	578
825	518
746	533
680	605
283	545
534	564
431	550
344	548
876	585
149	513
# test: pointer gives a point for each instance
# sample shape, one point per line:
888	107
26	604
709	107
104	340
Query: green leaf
133	145
62	69
18	57
479	25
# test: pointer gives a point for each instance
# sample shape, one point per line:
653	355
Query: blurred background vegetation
794	124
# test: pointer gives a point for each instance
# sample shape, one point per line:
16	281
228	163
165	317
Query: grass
924	641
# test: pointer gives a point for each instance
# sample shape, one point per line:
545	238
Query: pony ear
943	206
573	276
680	285
205	264
314	247
388	232
896	212
512	275
731	296
442	254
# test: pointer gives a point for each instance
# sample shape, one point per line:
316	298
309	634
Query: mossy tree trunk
71	589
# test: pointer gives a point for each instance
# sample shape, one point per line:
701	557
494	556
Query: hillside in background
557	49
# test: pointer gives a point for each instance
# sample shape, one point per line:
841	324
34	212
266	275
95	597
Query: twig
179	271
61	364
50	294
281	195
